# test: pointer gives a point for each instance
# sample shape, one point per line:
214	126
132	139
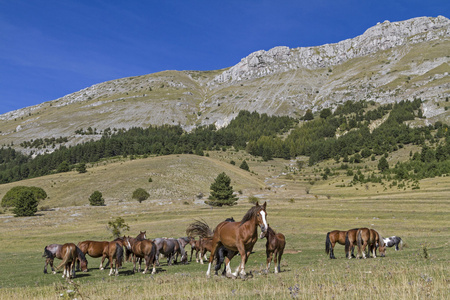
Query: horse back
281	241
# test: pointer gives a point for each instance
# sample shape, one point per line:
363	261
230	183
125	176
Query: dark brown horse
94	249
350	242
333	237
239	237
274	247
69	257
142	249
366	237
53	251
195	246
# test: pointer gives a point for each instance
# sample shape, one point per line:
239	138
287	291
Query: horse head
127	242
261	217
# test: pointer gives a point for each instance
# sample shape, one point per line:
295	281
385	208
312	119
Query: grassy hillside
301	211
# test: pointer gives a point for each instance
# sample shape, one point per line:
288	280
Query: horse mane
380	240
81	255
199	228
250	214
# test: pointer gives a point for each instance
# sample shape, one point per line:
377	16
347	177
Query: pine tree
383	164
244	166
222	192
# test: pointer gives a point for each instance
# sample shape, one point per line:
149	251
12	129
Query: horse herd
361	237
228	239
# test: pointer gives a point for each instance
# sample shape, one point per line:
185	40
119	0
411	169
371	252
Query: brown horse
274	246
53	251
142	249
69	256
350	242
366	237
333	237
94	249
239	237
114	252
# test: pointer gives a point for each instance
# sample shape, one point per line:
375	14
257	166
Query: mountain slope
389	62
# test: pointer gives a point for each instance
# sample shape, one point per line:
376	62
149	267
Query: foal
274	246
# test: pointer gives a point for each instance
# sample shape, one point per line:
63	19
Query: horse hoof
54	272
102	269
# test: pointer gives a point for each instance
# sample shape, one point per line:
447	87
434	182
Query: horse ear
264	205
257	203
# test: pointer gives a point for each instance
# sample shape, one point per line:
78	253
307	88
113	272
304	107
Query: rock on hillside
390	62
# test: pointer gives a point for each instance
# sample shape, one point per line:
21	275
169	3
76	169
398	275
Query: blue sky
51	48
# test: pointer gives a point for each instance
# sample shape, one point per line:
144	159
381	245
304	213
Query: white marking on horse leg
209	270
101	266
153	270
276	269
228	268
110	271
267	267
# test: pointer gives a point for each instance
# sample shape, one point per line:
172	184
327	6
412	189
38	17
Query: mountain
390	62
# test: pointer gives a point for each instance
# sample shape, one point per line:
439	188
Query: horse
169	248
142	249
158	244
94	249
350	242
333	237
114	252
53	251
371	238
183	241
394	241
274	246
69	257
239	237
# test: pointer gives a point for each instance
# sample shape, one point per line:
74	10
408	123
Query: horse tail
119	254
400	243
200	228
347	243
66	258
153	253
359	242
327	244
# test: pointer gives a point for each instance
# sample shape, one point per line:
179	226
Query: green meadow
299	204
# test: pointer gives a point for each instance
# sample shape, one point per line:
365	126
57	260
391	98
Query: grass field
304	213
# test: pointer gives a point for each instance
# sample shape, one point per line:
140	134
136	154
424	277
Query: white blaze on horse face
263	214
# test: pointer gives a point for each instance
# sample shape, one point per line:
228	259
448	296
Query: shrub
253	199
140	195
81	168
117	226
244	166
96	199
26	204
11	197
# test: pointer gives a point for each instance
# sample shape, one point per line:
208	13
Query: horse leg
241	268
201	255
268	260
280	253
364	249
73	267
275	261
332	250
214	247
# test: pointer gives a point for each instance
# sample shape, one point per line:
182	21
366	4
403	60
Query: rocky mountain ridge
390	62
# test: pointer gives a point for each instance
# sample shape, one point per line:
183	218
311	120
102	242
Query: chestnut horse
350	242
94	249
114	252
142	249
366	237
274	246
69	256
333	237
239	237
53	251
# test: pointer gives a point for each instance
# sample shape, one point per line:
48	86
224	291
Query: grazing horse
350	242
142	249
333	237
94	249
183	241
69	257
239	237
114	252
274	246
371	238
394	241
53	251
